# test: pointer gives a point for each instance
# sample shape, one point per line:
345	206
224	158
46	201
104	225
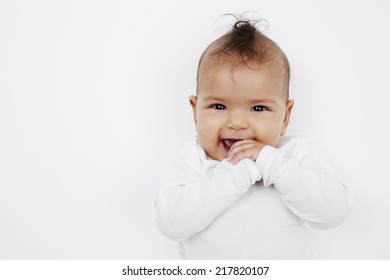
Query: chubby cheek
208	126
210	143
268	134
208	136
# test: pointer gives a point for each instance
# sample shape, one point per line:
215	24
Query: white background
94	108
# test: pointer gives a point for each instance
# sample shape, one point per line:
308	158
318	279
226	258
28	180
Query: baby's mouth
228	143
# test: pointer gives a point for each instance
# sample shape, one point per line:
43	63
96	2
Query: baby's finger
239	145
243	151
241	142
243	146
250	153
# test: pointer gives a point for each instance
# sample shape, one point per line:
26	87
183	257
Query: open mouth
228	143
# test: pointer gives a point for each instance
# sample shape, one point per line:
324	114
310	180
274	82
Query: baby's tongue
229	142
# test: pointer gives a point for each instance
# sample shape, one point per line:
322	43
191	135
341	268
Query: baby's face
243	104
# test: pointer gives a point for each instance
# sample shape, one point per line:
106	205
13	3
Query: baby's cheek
268	136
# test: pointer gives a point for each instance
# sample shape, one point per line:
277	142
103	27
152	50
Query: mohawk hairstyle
245	45
245	40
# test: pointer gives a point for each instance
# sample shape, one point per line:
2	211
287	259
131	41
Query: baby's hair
243	40
244	45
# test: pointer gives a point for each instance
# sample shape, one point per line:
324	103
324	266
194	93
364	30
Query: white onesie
254	209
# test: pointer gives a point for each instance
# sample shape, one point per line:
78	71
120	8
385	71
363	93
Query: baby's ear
193	101
289	106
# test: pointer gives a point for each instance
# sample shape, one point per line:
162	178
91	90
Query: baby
242	189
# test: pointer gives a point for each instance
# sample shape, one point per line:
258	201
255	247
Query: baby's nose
237	122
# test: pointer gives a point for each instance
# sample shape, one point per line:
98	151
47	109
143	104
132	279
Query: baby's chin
217	158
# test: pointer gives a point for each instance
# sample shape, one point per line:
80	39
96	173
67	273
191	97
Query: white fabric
254	209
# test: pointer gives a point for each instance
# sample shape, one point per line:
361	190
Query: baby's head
242	91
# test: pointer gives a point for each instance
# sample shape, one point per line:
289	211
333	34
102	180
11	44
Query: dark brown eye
218	106
259	108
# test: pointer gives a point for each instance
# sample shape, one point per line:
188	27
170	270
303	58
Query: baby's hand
244	149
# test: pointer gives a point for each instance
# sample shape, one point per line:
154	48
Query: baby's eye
218	107
259	108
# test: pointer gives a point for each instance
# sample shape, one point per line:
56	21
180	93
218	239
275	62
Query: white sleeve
192	198
306	183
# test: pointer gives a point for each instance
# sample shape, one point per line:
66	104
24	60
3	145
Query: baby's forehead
242	82
273	72
276	66
210	63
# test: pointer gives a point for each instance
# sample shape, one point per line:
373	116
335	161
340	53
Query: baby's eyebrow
214	98
251	101
264	100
